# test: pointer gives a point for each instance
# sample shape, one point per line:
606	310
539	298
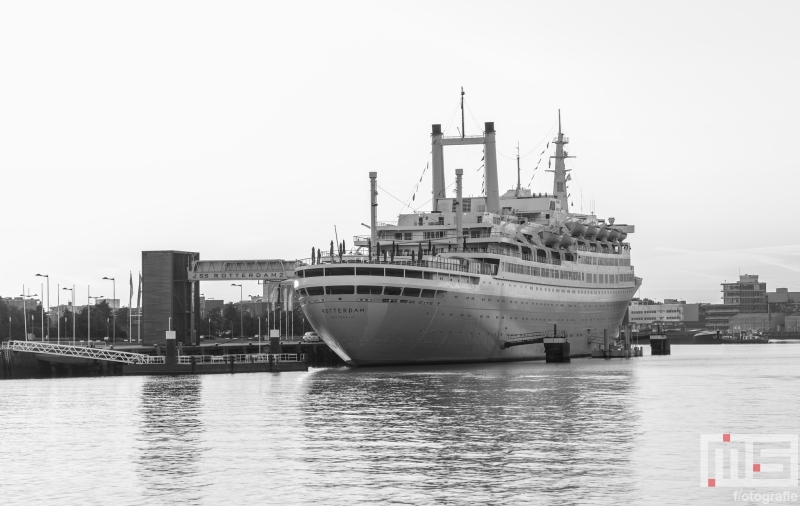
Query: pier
29	359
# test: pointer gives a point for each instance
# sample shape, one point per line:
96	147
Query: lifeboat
602	233
622	236
567	241
576	228
530	228
613	235
591	232
509	229
551	238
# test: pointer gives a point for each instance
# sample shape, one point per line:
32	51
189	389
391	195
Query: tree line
219	322
12	322
228	322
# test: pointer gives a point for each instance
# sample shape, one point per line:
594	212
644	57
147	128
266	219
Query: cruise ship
475	279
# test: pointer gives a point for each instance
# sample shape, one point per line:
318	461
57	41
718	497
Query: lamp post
241	313
73	313
25	312
48	306
89	316
58	313
113	309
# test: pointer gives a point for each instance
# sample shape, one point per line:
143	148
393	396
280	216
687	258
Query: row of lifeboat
595	232
577	230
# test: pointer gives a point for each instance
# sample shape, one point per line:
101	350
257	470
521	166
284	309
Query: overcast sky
246	130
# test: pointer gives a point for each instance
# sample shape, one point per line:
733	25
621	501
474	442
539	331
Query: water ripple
589	432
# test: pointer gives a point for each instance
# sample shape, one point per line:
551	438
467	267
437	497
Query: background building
112	303
758	322
717	316
18	303
747	296
747	293
208	305
669	313
783	301
792	322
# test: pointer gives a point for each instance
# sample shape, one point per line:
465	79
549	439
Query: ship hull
468	323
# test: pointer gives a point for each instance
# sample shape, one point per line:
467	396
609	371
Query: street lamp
73	313
89	316
114	309
241	313
48	306
25	311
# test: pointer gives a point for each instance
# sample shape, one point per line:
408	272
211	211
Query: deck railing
440	263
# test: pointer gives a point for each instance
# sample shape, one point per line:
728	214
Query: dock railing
251	358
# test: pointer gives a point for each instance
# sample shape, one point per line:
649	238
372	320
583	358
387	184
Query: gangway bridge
126	357
63	350
530	338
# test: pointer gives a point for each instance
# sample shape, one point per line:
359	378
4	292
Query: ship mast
519	185
560	172
462	112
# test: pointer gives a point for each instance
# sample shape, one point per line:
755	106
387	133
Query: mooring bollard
171	357
659	344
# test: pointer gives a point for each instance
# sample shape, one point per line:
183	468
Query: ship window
299	274
302	292
340	271
396	273
428	294
315	290
413	274
407	236
440	294
312	273
411	292
392	290
369	290
369	271
429	275
340	289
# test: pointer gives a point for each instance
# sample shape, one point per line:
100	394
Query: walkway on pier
82	352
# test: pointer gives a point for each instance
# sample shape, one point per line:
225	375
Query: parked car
311	337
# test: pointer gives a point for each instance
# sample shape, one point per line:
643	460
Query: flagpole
130	303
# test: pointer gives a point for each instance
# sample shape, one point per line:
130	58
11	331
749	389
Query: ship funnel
438	165
459	210
490	168
373	212
438	141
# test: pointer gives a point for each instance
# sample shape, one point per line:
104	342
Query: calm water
589	432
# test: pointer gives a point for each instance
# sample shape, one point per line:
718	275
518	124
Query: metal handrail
81	352
242	358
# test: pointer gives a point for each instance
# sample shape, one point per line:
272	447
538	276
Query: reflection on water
170	445
588	432
485	432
